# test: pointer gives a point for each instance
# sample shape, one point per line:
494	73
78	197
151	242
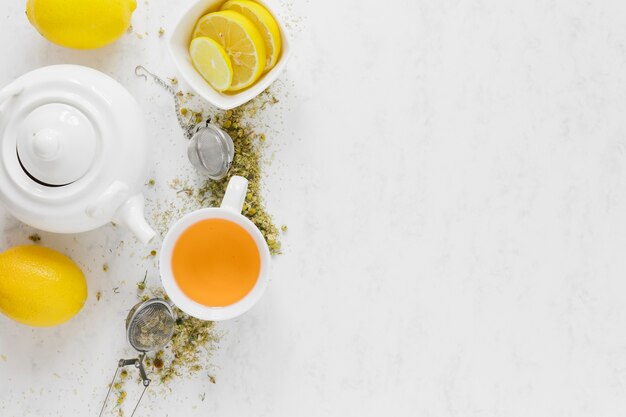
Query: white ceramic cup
230	209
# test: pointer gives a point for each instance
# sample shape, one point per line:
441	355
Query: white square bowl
178	44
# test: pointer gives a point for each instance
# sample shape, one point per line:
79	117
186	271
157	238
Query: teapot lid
56	144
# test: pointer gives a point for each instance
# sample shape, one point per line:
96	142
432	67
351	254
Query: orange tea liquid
216	262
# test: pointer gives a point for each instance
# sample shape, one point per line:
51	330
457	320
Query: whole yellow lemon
81	24
40	286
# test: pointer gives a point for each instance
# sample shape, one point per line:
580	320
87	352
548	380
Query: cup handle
235	194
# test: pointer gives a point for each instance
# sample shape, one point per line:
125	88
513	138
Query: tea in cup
214	262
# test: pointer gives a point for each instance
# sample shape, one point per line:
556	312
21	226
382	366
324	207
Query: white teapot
73	149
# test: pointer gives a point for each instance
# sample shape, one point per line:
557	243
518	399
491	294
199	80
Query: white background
453	175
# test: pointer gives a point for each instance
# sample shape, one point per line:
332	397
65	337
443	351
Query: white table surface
453	175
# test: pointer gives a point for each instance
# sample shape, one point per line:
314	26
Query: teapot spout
131	215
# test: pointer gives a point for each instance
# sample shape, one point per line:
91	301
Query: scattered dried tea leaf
248	163
193	341
158	363
121	396
142	284
190	349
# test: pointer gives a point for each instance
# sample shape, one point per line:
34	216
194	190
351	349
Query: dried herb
191	346
158	363
192	342
121	396
248	163
142	285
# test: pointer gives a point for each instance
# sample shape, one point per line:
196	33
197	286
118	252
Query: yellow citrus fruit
39	286
264	22
241	40
81	24
212	62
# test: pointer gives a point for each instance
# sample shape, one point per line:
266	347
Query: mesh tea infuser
149	327
211	150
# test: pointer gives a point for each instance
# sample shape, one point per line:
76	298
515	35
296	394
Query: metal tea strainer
149	327
211	150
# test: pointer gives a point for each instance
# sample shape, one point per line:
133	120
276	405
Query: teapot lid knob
47	144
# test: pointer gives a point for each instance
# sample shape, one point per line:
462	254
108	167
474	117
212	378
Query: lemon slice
242	42
265	22
212	62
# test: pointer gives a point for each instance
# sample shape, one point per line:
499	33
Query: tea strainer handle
120	365
142	370
138	363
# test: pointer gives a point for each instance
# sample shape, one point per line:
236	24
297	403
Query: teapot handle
9	92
